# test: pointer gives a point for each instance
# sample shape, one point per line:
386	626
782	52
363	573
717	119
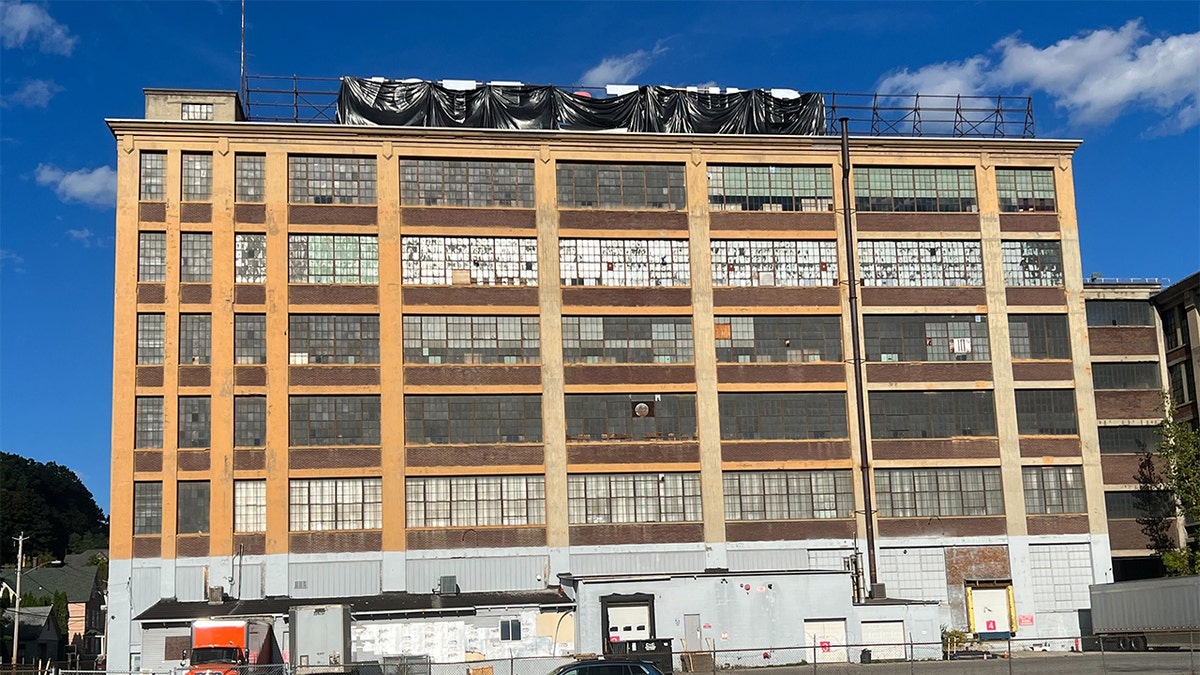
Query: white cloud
94	187
33	94
1095	76
621	69
24	22
85	237
10	260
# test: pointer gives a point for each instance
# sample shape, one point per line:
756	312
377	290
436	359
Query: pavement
1036	663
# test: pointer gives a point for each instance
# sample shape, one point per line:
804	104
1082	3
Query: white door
885	639
826	640
989	610
628	622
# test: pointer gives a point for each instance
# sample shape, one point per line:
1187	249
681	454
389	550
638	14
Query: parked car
607	667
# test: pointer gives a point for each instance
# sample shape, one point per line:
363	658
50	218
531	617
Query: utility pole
17	607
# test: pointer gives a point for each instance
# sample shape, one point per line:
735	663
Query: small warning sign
991	625
1025	620
826	646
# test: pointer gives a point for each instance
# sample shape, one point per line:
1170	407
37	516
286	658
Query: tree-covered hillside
49	503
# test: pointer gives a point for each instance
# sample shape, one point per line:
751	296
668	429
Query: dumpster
658	652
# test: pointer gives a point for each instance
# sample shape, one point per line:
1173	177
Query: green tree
61	612
1169	484
49	503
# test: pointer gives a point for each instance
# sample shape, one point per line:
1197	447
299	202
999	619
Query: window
250	176
908	493
148	422
1025	189
195	339
1116	440
196	112
249	421
249	338
1130	504
1180	378
1053	489
879	188
249	506
788	495
630	418
782	416
333	259
633	498
192	506
624	262
1119	313
627	339
444	261
436	420
197	177
250	258
475	501
774	263
147	508
1032	263
778	339
770	188
621	186
926	337
335	504
920	263
1126	376
471	339
1046	412
333	420
152	256
153	179
195	421
150	331
450	182
510	630
932	414
1039	336
195	253
328	338
331	180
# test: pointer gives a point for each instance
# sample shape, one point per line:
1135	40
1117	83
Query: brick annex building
352	360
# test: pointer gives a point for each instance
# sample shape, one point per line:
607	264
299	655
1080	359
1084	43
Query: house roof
76	582
81	559
34	620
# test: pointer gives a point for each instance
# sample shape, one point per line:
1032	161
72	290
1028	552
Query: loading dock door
628	622
885	639
826	640
987	609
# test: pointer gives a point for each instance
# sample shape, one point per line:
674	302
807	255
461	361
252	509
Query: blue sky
1121	76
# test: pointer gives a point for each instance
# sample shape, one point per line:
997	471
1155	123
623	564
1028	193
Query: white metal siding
495	573
143	589
189	583
247	581
828	558
768	559
154	644
334	578
636	562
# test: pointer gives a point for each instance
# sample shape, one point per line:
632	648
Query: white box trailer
319	638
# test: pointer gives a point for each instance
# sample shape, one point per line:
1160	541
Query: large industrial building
582	380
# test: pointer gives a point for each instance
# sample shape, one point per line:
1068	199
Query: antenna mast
242	78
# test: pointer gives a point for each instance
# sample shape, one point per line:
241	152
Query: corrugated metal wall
632	561
154	644
334	578
247	581
189	584
143	589
507	573
768	559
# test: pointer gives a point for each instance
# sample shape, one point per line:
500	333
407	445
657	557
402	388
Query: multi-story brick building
1180	319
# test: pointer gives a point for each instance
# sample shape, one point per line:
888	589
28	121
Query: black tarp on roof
649	109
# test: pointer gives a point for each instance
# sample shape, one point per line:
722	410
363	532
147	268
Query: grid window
475	501
770	188
195	257
1025	190
322	504
152	256
1180	378
333	259
147	508
788	495
778	339
249	506
1039	336
932	414
627	339
633	498
195	422
250	175
329	338
451	182
250	258
150	331
1046	412
1126	376
878	188
249	338
437	420
195	339
1121	440
1119	313
1170	325
249	421
774	263
510	630
926	337
491	261
471	339
333	420
1032	263
782	416
148	422
197	177
202	112
192	507
621	186
1131	504
153	179
331	180
631	418
923	493
920	263
1053	489
624	262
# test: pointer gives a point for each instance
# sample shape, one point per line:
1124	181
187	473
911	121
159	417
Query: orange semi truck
220	647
